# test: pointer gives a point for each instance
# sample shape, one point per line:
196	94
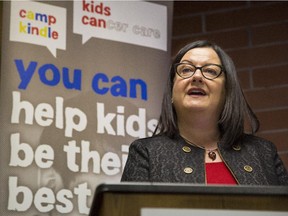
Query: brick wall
255	35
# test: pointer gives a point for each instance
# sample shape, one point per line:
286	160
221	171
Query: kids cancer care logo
134	22
38	23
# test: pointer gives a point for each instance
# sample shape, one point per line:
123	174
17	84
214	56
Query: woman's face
198	93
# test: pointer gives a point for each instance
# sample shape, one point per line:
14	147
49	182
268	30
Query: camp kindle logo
39	24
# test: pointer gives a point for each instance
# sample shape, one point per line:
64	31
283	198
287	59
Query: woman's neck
202	131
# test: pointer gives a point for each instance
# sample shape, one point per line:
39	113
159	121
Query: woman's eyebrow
186	61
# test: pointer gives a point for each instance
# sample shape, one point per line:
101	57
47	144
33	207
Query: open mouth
197	92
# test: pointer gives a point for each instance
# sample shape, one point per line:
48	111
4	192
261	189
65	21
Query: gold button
186	149
248	168
236	147
188	170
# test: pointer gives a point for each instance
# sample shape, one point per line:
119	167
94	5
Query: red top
218	173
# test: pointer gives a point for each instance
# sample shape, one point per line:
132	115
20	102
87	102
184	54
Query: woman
200	136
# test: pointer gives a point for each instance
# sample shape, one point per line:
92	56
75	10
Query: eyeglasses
209	71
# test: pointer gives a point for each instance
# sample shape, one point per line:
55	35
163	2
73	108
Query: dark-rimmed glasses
187	70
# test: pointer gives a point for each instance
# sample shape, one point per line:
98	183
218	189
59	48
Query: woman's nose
197	76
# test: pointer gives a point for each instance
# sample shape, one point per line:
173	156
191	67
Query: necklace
211	152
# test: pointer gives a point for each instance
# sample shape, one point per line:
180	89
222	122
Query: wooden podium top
127	199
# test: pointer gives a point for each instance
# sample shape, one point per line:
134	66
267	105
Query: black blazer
162	159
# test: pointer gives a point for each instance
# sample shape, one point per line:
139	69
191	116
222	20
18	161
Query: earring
171	100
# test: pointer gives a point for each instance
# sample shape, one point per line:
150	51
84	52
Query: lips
197	92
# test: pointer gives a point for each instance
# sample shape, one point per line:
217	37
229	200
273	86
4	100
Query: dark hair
235	112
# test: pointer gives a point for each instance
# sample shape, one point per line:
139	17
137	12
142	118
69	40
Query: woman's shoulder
152	142
253	141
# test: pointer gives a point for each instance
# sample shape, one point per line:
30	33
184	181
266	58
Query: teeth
197	92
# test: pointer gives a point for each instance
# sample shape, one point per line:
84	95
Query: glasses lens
185	70
211	71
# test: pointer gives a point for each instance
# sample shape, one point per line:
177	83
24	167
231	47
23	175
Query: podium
154	199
